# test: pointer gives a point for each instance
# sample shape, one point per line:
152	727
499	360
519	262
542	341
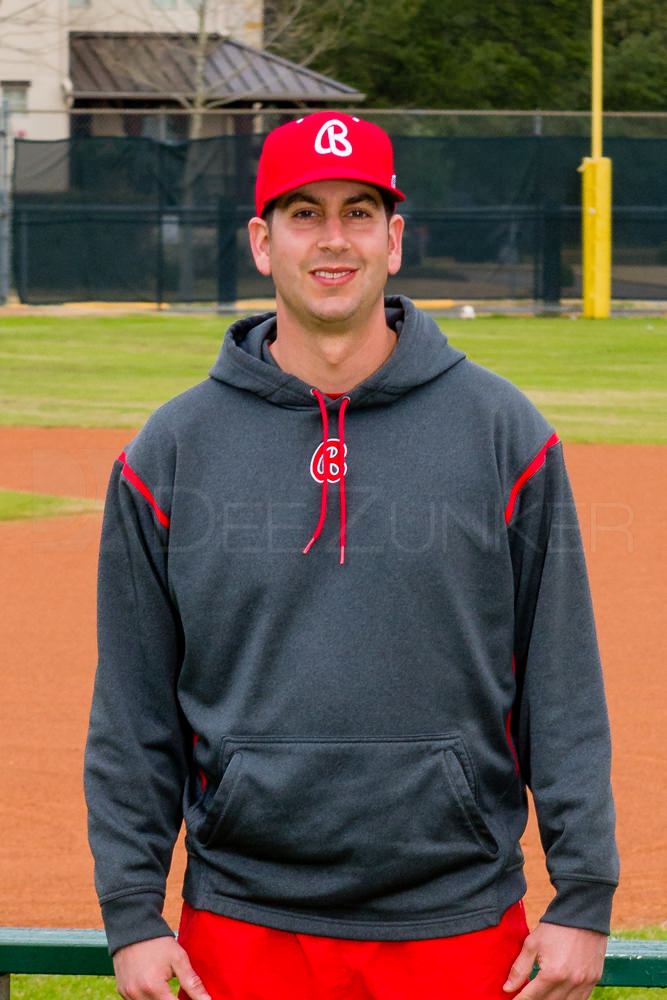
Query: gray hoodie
349	733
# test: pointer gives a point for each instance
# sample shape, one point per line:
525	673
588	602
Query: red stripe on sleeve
131	476
508	733
536	464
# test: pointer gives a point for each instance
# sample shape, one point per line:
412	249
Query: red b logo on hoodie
326	462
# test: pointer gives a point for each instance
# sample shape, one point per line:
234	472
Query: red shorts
242	961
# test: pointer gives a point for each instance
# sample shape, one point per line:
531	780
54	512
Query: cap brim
310	176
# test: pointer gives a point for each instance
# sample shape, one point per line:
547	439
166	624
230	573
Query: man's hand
570	959
143	971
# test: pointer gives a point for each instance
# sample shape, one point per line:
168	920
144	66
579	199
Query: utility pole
596	196
5	230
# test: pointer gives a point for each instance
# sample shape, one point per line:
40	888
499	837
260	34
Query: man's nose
332	236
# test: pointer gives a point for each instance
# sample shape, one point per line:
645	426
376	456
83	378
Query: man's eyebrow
302	196
293	196
356	199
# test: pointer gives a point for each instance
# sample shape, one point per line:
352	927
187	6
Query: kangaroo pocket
336	822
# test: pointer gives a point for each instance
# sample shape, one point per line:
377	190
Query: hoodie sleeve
135	762
560	724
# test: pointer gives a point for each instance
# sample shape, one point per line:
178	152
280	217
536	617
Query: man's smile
333	275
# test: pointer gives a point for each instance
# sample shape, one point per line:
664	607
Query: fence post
551	258
5	227
23	257
159	234
227	264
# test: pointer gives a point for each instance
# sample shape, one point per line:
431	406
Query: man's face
329	247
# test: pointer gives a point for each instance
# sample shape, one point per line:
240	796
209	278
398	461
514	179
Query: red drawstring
341	478
326	469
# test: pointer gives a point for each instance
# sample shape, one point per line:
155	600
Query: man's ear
258	230
396	226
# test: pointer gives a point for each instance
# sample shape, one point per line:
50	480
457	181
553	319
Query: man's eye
359	213
304	213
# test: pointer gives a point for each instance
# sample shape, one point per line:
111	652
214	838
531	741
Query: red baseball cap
327	145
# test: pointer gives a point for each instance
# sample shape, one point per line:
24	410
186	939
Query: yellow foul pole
596	196
596	82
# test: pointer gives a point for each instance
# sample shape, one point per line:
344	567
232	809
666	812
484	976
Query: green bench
52	951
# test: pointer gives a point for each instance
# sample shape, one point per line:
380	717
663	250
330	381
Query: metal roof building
142	69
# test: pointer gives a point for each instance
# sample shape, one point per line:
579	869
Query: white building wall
34	44
241	19
33	50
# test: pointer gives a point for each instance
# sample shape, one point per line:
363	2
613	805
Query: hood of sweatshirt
422	353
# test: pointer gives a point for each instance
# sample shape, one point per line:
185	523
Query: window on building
164	127
15	94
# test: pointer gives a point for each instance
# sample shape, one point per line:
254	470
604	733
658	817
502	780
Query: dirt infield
47	594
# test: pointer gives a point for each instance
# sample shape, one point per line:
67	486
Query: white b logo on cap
334	132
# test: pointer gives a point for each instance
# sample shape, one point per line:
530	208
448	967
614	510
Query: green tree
479	55
504	55
635	74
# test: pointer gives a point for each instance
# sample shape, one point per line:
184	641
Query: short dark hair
388	204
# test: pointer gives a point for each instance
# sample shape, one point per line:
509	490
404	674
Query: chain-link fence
488	216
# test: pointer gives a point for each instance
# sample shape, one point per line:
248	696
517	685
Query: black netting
487	218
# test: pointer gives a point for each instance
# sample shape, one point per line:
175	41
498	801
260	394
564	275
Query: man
344	622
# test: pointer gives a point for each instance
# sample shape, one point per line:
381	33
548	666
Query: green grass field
16	505
103	988
596	380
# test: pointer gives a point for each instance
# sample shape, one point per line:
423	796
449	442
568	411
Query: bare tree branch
291	27
198	88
